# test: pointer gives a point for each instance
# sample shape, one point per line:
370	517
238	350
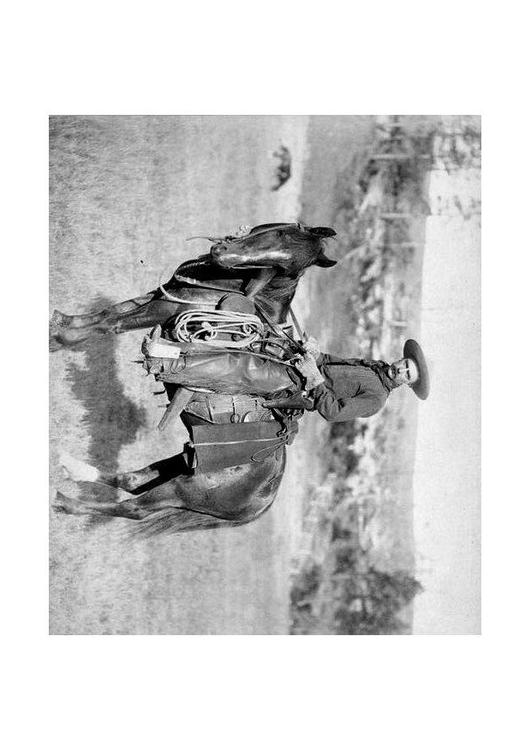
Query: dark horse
260	269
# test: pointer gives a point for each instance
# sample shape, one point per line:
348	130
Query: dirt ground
125	193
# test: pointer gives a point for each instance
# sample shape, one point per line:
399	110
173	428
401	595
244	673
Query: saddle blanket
218	446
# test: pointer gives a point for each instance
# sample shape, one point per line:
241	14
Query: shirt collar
380	368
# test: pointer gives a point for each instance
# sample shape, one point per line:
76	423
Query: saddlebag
229	372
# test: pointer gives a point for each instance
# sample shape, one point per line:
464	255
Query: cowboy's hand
312	347
307	367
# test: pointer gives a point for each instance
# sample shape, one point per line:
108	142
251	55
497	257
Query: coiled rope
207	326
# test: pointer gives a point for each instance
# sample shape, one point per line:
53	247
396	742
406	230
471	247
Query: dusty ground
125	192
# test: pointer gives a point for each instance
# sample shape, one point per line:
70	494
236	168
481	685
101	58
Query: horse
258	271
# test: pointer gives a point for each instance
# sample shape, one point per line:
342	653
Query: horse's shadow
111	419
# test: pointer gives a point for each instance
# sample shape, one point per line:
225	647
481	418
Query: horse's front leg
152	485
91	319
139	312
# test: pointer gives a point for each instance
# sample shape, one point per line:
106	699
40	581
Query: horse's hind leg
82	507
153	508
132	481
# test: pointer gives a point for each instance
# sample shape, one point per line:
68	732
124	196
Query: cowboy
345	389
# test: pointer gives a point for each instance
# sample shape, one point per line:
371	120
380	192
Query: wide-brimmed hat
421	387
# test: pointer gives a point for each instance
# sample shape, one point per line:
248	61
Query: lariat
213	327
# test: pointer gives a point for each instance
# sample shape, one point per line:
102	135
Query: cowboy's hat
421	387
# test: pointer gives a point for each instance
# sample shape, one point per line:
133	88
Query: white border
253	691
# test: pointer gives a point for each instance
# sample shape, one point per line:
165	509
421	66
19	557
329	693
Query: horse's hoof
55	332
58	319
54	344
64	504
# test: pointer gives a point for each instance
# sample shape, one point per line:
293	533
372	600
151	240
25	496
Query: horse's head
290	248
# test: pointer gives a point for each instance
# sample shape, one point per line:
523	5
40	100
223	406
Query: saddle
227	353
233	430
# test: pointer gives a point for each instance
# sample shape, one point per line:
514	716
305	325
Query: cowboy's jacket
352	388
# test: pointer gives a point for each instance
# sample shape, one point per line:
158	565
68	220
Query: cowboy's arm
309	365
335	409
365	403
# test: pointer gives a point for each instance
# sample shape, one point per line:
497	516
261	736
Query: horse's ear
325	262
323	231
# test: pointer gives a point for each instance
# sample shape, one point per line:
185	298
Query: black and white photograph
266	280
265	374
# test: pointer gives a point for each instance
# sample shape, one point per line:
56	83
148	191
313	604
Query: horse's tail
177	520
